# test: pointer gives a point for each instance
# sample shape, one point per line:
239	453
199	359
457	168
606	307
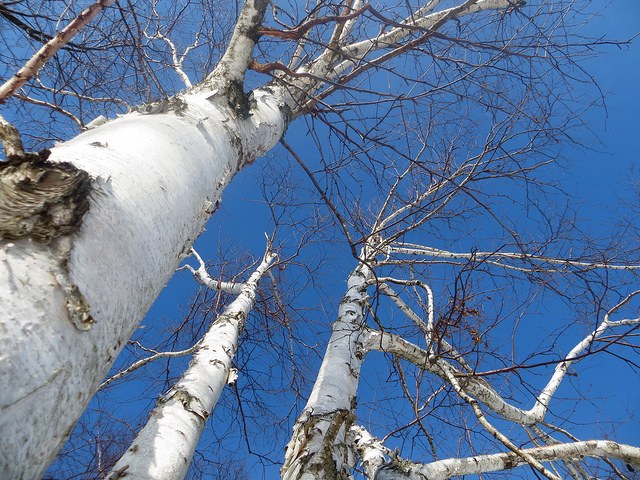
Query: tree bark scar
45	202
41	200
240	101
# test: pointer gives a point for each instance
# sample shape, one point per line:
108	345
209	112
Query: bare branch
183	411
495	257
144	361
380	462
202	277
50	48
476	386
493	430
542	403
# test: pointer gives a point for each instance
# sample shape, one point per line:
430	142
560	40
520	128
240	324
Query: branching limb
300	31
470	385
476	386
542	404
356	54
165	445
237	58
372	452
50	48
177	60
340	62
443	346
498	258
422	20
540	437
493	430
52	106
144	361
504	461
79	96
428	328
203	278
382	464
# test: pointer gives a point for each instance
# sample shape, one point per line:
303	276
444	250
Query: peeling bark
154	180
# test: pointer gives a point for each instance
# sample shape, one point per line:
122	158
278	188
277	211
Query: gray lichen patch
190	403
41	200
174	104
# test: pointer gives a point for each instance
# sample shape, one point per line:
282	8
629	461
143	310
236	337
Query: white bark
373	454
203	278
163	449
347	59
475	386
421	20
73	301
155	179
50	48
380	463
317	449
504	461
541	406
75	295
500	258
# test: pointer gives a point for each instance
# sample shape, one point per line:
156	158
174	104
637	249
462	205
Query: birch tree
165	446
327	440
93	227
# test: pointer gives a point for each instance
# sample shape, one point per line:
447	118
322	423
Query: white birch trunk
164	448
68	307
317	449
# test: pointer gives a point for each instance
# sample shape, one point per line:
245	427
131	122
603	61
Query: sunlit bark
317	448
380	463
75	295
83	261
164	447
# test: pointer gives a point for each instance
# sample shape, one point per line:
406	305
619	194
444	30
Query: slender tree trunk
164	448
76	292
317	449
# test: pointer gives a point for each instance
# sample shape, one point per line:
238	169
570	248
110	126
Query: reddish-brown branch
301	30
270	67
50	48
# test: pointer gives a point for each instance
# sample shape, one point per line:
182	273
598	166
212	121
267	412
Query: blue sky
600	175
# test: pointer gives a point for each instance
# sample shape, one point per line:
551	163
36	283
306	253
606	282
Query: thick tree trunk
75	293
